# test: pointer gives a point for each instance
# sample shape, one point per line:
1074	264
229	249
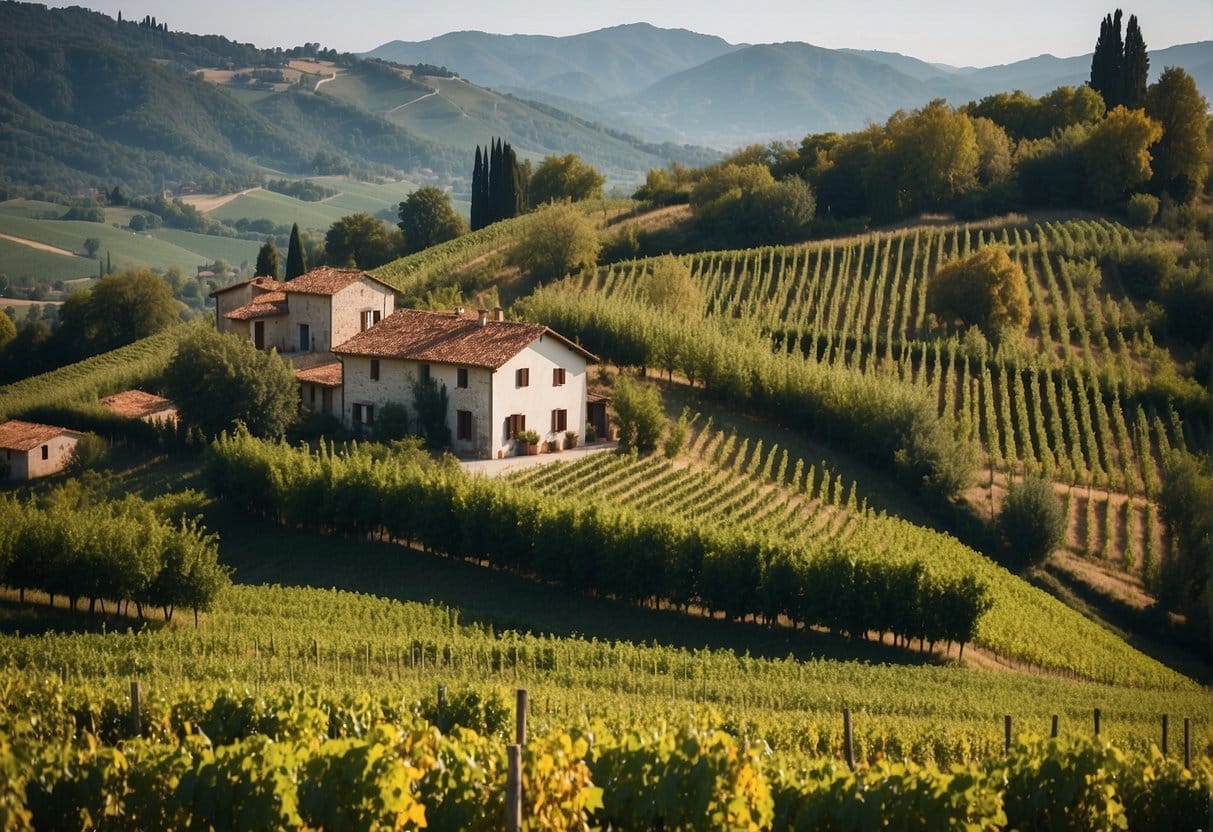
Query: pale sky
958	32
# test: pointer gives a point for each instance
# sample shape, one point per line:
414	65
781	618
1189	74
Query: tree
986	289
1032	522
638	415
431	401
671	287
993	152
479	213
8	330
427	219
218	380
1181	156
1134	67
565	177
91	246
119	309
296	258
1116	156
267	260
1186	504
933	159
554	241
362	241
1106	60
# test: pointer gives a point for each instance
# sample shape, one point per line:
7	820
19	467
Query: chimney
484	316
498	313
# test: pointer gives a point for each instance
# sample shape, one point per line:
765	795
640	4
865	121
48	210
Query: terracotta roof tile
265	305
135	404
326	281
445	338
25	436
264	283
323	375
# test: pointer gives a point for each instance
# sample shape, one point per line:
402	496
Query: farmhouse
146	407
501	377
33	450
306	315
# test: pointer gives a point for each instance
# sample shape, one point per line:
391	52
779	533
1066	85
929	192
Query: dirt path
18	302
324	81
414	101
38	245
209	202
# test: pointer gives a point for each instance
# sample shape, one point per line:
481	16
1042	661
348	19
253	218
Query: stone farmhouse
501	377
33	450
353	352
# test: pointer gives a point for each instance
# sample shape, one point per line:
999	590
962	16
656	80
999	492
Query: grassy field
280	210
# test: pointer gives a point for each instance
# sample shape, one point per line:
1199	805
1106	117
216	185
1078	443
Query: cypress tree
495	189
296	259
1134	68
486	174
477	204
1105	62
509	182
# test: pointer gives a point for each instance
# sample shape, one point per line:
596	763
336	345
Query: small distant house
501	377
146	407
32	450
311	313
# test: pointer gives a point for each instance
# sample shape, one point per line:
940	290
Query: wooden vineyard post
848	739
1164	735
520	713
1054	734
1006	730
1097	722
136	717
441	706
513	788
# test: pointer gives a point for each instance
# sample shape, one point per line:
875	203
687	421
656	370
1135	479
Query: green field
31	208
279	209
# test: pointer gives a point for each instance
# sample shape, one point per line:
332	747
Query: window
364	414
461	377
425	372
374	369
514	425
46	452
369	318
558	376
463	425
523	377
560	420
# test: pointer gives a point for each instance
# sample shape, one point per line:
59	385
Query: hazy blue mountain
593	66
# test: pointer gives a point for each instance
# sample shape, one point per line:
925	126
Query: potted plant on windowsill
528	442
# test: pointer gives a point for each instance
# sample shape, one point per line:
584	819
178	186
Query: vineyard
1080	400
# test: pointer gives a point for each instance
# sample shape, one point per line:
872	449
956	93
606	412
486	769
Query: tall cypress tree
1105	63
477	198
296	258
509	182
1134	68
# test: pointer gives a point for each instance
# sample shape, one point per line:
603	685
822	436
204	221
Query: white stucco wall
29	465
540	398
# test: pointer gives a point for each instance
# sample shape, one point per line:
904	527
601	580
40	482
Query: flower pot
530	450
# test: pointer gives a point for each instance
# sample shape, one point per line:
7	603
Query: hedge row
76	546
596	547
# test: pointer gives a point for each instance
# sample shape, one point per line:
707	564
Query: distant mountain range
680	85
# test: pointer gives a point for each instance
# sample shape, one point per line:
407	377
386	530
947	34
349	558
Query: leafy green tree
671	287
933	159
1116	156
994	150
1142	209
1134	67
1181	156
565	177
119	309
218	381
296	258
1032	521
362	241
554	241
267	259
91	246
87	454
1186	503
431	401
986	289
8	330
392	422
427	219
639	415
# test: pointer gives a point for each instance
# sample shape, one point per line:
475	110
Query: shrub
1031	521
1142	209
639	415
987	289
88	454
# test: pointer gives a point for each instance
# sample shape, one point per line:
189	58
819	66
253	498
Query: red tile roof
135	404
327	281
265	283
445	338
25	436
323	375
265	305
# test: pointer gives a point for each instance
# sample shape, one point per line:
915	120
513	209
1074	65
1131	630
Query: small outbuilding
146	407
32	450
